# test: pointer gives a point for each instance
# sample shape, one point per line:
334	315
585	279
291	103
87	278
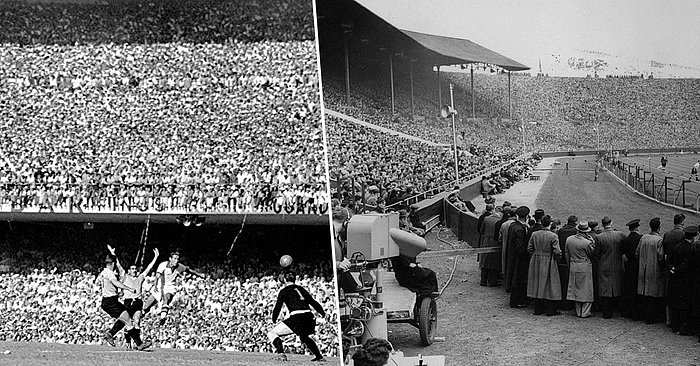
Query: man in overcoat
517	242
671	238
564	233
543	274
680	284
579	250
490	263
631	302
651	284
506	256
608	253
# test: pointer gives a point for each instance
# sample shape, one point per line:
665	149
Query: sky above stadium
627	34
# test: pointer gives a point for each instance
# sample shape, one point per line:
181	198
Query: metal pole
413	112
454	133
391	76
439	87
522	128
473	110
510	107
347	71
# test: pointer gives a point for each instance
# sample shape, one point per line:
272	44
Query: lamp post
454	132
449	110
597	133
522	130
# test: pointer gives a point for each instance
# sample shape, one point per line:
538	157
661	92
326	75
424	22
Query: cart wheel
427	320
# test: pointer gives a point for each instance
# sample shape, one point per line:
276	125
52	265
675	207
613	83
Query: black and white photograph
514	183
163	184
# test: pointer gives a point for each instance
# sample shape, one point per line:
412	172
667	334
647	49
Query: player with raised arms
132	299
110	286
164	287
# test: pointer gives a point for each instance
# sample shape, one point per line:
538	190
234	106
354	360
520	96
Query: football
286	260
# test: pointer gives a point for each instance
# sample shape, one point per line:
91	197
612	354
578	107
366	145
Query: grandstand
393	80
160	107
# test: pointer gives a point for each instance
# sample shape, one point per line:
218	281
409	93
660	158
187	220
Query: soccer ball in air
286	261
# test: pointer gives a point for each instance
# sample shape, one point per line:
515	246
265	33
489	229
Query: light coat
543	274
579	251
652	278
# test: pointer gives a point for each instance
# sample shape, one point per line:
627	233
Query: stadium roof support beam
413	105
347	70
472	86
391	77
510	106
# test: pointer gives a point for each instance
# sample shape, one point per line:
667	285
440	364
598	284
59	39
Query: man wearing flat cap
680	284
631	302
652	278
517	244
579	250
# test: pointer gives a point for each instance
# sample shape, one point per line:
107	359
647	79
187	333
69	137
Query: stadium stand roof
367	29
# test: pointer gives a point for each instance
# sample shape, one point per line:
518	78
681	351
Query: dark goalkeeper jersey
296	298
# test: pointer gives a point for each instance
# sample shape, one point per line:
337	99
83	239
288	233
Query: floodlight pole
454	132
510	106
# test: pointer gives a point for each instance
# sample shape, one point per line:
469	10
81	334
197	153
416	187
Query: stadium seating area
197	106
558	114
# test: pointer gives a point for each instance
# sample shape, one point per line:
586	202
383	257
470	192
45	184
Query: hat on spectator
690	229
403	214
522	211
633	224
539	213
490	199
489	207
583	227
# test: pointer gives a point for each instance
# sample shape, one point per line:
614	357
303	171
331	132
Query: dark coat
564	233
630	279
517	244
507	256
695	265
680	284
608	253
422	281
490	260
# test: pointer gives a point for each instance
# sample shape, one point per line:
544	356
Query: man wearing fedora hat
579	251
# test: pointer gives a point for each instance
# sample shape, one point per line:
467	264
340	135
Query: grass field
481	329
54	354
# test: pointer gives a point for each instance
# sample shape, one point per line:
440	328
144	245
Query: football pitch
54	354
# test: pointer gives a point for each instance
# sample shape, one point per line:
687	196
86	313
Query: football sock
135	336
279	347
118	325
127	338
311	345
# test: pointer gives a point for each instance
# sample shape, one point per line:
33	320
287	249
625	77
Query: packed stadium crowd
630	113
183	124
231	310
155	21
389	169
646	272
